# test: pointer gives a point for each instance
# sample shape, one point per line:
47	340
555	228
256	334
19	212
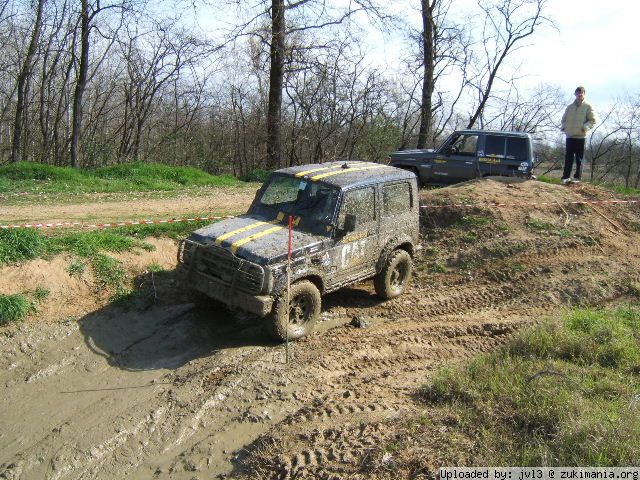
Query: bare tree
287	18
445	49
23	82
88	14
154	59
506	24
534	111
276	77
428	63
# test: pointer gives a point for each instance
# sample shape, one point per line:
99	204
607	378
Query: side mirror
350	223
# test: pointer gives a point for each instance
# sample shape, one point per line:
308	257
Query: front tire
297	319
395	275
416	173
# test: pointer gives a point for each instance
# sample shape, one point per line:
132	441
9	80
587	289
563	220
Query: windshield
313	202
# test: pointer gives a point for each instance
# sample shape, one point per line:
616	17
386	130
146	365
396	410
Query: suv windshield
313	202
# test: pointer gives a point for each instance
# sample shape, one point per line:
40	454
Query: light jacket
578	119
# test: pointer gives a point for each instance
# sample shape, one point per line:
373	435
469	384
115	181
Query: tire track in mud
345	445
451	323
437	343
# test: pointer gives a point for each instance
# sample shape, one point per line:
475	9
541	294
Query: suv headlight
185	251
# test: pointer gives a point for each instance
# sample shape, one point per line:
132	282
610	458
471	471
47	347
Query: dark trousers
574	149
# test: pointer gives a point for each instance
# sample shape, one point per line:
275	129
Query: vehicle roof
348	173
492	132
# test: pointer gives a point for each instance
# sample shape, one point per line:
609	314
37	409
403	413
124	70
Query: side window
360	202
467	144
517	148
396	198
494	146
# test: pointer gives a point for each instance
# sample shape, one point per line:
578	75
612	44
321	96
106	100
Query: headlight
185	251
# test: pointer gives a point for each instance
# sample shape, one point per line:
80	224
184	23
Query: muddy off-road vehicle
468	154
351	221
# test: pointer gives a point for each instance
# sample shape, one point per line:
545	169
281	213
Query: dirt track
123	206
166	389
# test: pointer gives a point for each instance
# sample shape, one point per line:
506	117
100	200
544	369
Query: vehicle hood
258	239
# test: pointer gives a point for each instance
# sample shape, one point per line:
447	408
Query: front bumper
260	305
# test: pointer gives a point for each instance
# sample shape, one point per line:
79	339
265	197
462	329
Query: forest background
243	87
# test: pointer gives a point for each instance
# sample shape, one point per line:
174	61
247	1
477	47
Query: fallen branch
618	227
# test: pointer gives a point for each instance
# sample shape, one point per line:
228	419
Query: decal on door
353	252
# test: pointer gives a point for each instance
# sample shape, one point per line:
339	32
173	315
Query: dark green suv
468	154
351	221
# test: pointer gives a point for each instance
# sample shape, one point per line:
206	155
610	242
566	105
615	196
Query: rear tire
301	315
395	275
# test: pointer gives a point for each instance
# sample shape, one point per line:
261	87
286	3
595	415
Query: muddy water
128	393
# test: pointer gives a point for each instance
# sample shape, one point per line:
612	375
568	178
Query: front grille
225	267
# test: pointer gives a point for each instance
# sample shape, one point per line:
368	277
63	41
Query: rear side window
517	148
396	198
494	146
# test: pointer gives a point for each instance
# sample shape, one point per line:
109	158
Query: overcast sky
595	46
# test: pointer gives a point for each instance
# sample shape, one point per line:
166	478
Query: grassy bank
89	250
565	393
133	177
20	245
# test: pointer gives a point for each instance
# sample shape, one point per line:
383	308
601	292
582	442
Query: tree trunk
428	35
276	74
81	85
24	77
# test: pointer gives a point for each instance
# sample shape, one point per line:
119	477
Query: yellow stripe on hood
246	228
250	238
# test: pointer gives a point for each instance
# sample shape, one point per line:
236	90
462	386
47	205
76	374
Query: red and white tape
531	204
111	225
196	219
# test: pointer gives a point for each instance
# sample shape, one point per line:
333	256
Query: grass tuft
109	273
41	294
85	244
14	308
76	268
19	245
137	176
162	177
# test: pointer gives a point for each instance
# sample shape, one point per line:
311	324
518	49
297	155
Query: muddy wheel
302	313
395	275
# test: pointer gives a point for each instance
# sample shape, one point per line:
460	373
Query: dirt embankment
161	388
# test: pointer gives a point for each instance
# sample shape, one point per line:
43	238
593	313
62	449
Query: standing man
578	119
